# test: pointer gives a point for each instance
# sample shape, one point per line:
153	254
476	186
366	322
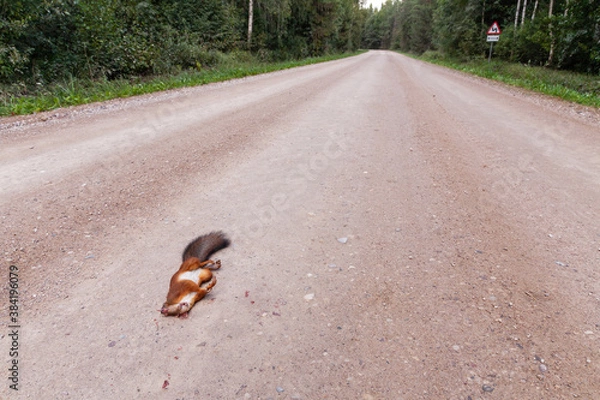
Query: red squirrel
186	288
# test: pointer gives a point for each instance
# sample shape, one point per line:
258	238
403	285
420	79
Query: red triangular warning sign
494	29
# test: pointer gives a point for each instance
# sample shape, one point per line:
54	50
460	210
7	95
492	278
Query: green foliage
567	39
379	26
414	28
576	87
528	44
579	37
73	91
14	54
43	41
456	28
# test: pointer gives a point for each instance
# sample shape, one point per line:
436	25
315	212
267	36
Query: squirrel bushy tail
204	246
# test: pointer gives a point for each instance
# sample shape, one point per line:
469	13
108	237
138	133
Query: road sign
494	29
493	35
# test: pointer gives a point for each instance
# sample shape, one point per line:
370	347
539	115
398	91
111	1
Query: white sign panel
493	38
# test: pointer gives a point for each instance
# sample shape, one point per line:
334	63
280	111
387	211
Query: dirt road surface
400	231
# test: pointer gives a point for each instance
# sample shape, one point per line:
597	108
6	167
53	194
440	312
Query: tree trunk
250	17
524	12
517	14
535	6
551	33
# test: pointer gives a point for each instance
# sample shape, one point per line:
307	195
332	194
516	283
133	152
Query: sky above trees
375	3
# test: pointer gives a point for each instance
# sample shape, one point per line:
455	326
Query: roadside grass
19	100
570	86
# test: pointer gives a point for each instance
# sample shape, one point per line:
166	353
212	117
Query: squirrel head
174	309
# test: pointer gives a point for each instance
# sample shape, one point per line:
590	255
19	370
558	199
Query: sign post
493	35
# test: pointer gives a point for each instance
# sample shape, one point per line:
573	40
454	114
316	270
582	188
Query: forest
562	34
45	41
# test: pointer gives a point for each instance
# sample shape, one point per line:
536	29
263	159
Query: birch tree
551	34
524	12
250	18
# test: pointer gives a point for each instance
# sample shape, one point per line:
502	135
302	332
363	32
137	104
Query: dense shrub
44	41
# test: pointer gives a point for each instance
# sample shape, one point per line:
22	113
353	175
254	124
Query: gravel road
399	230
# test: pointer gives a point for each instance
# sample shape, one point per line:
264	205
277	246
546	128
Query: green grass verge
575	87
18	101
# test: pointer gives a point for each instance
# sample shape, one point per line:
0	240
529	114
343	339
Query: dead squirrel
186	288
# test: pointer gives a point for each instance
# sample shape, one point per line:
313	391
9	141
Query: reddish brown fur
180	287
